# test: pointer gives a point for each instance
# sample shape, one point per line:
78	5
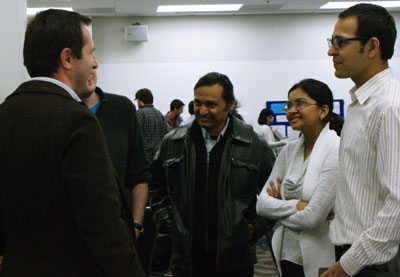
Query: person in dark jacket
206	179
61	212
117	117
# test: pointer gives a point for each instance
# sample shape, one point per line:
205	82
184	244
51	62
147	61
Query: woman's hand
275	192
301	205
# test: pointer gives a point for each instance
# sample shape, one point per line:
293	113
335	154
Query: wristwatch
139	228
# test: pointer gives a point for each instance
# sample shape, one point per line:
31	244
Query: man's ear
66	58
232	105
373	47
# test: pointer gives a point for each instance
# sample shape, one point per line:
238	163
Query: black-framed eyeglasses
298	105
337	42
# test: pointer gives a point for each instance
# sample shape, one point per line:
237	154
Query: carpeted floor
265	266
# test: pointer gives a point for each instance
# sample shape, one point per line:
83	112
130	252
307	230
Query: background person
191	113
151	121
301	189
173	117
265	118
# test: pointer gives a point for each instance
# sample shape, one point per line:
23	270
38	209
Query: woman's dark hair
322	94
262	118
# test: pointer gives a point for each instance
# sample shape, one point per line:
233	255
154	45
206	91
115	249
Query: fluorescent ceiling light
34	11
345	5
198	8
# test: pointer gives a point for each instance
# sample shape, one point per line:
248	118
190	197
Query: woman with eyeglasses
301	189
265	118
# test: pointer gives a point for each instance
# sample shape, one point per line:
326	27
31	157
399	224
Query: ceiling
148	7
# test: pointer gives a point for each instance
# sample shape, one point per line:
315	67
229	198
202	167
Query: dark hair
262	118
374	21
191	107
214	78
47	35
144	95
322	94
176	103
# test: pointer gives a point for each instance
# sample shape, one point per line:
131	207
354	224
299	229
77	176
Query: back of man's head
215	78
47	35
176	103
144	95
374	21
191	107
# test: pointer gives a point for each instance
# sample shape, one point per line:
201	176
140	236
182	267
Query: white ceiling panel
149	7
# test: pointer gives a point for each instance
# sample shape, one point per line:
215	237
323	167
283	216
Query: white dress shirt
59	83
367	204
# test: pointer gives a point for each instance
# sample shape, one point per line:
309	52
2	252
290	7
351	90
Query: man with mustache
207	175
367	209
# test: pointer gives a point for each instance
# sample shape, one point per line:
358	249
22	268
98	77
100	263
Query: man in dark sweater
206	177
117	117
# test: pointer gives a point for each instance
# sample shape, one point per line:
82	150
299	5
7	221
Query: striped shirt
368	199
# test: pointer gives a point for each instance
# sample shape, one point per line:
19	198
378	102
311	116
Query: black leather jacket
245	166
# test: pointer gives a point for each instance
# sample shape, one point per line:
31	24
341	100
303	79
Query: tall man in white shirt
366	228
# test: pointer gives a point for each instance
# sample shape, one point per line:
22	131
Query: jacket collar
102	96
41	86
241	131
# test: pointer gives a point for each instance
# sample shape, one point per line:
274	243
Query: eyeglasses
298	105
337	42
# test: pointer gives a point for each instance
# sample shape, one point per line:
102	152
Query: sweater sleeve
268	206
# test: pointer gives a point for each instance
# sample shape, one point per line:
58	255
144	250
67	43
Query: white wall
263	56
12	28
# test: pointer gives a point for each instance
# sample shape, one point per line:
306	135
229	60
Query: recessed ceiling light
345	5
198	8
33	11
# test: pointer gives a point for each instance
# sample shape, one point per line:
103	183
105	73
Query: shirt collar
59	83
368	88
207	136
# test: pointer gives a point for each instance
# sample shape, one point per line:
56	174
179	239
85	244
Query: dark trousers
384	270
246	272
205	266
290	269
145	243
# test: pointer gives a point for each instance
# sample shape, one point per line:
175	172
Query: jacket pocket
174	172
244	176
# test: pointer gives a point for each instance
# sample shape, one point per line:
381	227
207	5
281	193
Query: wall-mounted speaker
136	33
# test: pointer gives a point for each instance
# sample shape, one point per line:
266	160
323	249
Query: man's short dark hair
47	35
176	103
191	107
215	78
374	21
144	95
